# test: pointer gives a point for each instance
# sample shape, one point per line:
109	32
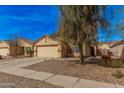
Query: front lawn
74	68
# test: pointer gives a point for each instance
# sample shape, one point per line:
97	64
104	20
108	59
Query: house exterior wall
46	47
25	45
19	50
103	46
73	53
46	41
48	51
4	48
118	51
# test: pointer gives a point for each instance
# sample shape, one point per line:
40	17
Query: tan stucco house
105	45
118	49
72	50
7	49
47	47
27	44
4	48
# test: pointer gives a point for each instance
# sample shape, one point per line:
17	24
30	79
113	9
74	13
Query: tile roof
117	43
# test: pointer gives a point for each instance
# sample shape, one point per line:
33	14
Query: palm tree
80	24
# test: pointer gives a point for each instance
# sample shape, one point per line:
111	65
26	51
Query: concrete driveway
14	67
20	62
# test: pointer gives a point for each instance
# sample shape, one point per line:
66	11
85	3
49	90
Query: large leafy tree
80	24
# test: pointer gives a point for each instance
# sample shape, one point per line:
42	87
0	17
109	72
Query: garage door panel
4	51
51	51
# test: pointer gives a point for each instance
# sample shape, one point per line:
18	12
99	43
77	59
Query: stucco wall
47	47
118	51
25	44
46	41
4	48
3	44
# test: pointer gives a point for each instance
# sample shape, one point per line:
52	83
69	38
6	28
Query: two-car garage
48	51
47	47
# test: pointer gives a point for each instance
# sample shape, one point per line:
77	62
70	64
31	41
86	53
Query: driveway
14	67
19	62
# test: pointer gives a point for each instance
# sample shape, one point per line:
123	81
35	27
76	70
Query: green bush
29	51
114	63
118	74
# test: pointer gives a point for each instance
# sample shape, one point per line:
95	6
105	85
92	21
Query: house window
45	40
75	49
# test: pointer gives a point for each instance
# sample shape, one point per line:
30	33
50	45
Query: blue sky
32	22
115	15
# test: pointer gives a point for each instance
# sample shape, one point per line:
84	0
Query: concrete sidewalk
60	80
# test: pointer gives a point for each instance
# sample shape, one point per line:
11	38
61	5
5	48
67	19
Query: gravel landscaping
12	81
74	68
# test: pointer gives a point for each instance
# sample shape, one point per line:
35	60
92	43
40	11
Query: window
45	40
75	49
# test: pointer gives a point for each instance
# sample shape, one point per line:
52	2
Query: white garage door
4	51
48	51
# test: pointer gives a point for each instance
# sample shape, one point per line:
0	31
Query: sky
32	22
115	16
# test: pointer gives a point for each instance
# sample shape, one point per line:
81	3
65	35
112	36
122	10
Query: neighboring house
27	44
47	47
4	48
8	49
105	45
118	49
104	48
71	50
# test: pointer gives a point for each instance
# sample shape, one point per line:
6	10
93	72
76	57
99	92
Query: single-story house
47	47
72	50
105	45
118	49
4	48
27	44
8	49
104	48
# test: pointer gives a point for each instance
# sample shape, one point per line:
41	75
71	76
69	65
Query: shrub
118	74
114	63
29	52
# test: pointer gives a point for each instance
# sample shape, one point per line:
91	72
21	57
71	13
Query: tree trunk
96	48
81	52
15	51
16	46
